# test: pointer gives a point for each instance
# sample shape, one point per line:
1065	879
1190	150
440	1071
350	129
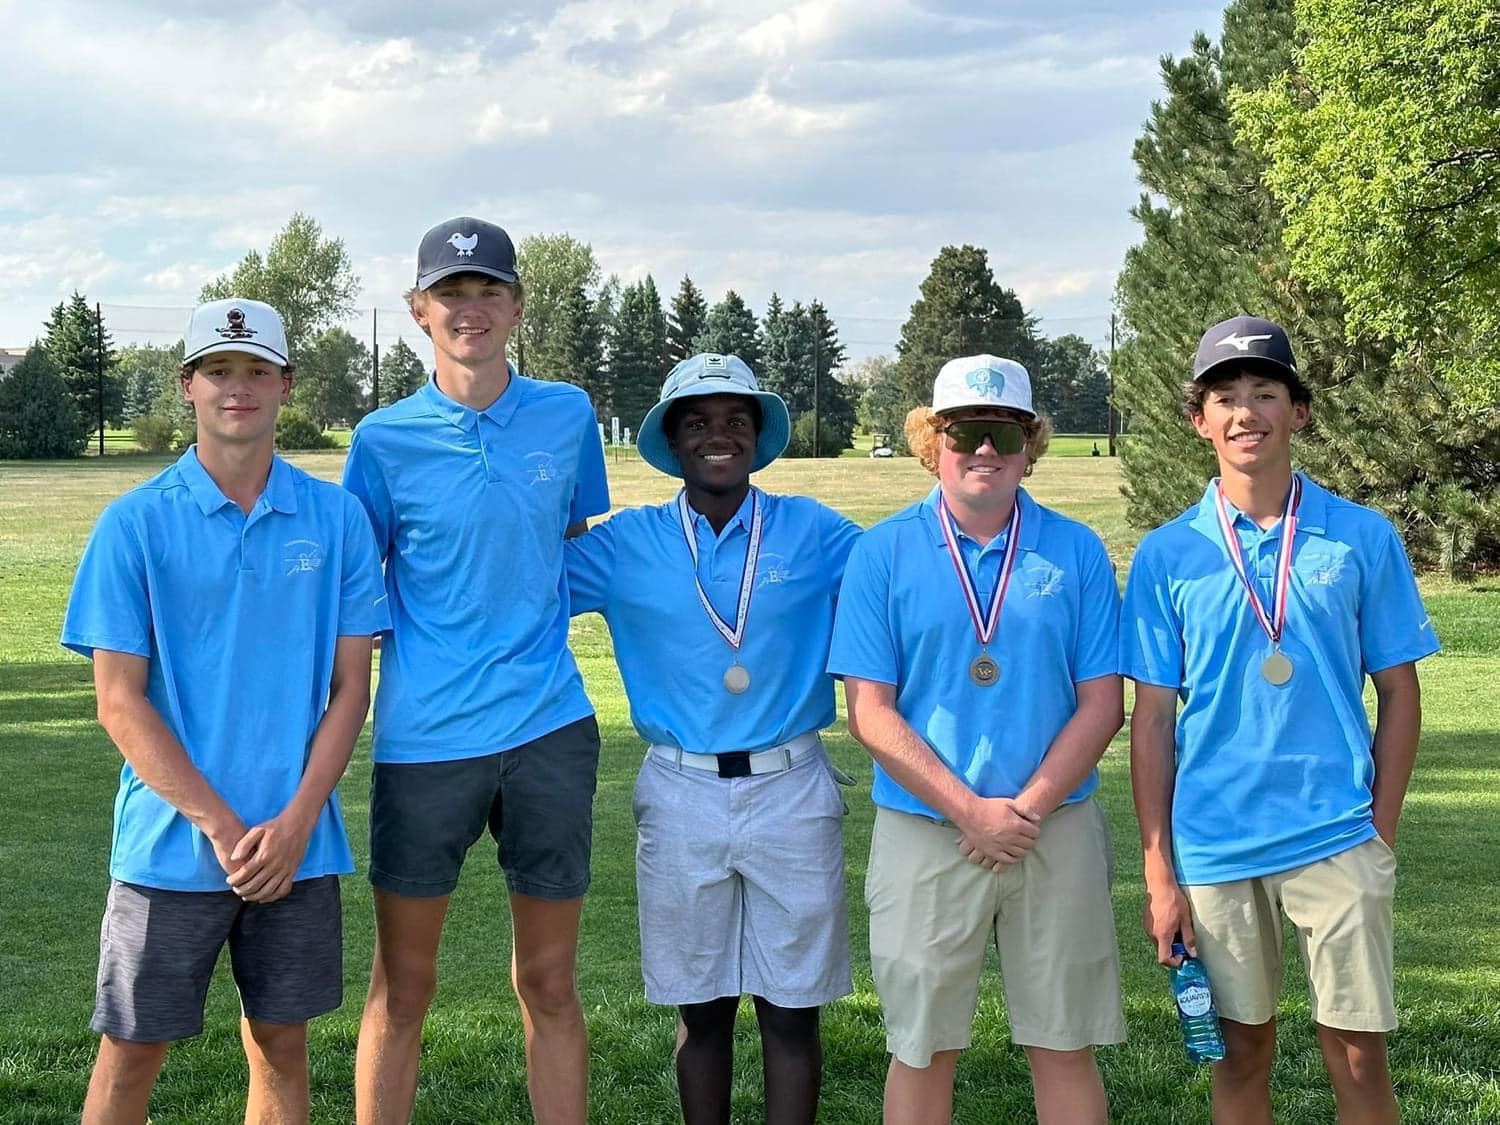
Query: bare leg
544	970
920	1096
1242	1082
1361	1076
120	1087
1067	1087
705	1060
403	982
793	1054
277	1054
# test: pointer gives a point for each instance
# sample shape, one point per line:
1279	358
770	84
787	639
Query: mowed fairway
59	774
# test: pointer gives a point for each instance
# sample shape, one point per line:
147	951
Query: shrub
832	440
38	417
295	429
155	433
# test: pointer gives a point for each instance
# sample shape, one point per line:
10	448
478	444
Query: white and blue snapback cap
982	380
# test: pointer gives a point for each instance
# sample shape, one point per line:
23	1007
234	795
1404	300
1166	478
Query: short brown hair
1193	391
924	434
415	298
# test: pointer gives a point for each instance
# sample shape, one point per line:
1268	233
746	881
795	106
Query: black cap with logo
1248	341
465	245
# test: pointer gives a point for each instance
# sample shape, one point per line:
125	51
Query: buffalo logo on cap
987	382
463	243
235	327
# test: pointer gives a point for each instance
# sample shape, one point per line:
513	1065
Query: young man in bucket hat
480	717
739	860
228	605
976	636
1262	608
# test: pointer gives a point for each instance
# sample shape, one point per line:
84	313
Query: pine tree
731	330
962	311
686	321
143	370
72	340
38	417
1069	385
582	327
637	353
401	372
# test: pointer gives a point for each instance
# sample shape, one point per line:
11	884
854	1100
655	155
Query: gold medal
736	679
984	671
1276	669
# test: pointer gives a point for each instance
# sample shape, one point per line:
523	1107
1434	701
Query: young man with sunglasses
975	634
1262	608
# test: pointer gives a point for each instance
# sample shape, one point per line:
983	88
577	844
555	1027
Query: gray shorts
741	883
157	951
537	800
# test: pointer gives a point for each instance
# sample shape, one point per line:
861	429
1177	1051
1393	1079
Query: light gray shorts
157	951
741	883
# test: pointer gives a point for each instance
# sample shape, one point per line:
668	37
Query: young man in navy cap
228	605
976	635
480	718
1262	608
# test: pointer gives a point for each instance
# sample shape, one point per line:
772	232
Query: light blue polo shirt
1270	778
635	569
239	617
469	509
902	620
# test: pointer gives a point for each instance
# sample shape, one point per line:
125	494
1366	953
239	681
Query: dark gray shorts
537	800
157	951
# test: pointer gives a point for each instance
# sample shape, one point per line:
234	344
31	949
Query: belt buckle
736	763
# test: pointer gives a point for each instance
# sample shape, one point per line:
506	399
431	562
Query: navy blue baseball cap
1248	341
465	245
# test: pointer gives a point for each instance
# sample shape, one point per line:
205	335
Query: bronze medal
1276	669
984	671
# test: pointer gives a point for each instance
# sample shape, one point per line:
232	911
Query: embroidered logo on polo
463	243
1044	584
987	382
301	556
1321	570
540	468
235	327
773	571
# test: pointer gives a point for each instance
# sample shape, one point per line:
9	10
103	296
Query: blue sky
822	149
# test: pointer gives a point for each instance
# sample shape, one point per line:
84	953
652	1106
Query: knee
282	1045
125	1064
709	1022
787	1027
404	989
1249	1050
1062	1065
1363	1053
547	989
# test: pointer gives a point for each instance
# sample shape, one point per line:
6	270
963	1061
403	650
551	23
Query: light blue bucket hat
711	374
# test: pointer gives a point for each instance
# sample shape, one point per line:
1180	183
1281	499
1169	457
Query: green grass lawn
60	773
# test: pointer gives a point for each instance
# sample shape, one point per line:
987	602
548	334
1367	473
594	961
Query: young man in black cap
1262	608
480	718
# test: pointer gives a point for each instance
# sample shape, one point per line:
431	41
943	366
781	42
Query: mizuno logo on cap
1240	343
463	243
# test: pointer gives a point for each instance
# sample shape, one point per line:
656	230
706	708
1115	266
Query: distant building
9	357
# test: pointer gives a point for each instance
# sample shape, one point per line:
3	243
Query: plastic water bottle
1195	1008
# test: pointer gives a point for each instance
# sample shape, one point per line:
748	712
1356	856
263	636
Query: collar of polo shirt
501	411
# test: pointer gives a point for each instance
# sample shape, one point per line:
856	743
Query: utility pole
817	362
1113	429
99	368
374	359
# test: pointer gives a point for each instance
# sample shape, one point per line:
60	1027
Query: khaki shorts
933	915
1342	909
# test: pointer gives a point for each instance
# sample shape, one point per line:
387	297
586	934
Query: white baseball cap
982	380
235	325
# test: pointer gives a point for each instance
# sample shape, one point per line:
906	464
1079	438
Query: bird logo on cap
463	243
987	382
235	326
1240	343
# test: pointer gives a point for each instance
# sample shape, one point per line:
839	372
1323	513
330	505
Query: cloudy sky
823	149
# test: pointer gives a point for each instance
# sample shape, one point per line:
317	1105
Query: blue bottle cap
1178	949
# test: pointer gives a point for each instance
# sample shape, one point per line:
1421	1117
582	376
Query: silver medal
736	679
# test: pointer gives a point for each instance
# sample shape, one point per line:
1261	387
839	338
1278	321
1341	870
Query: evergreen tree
144	370
551	267
1069	385
777	370
581	326
685	323
800	349
962	311
38	416
332	374
401	372
72	341
637	353
731	330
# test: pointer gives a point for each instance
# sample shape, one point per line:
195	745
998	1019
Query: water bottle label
1195	1000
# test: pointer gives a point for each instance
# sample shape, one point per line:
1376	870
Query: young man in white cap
480	718
228	605
975	634
740	857
1262	608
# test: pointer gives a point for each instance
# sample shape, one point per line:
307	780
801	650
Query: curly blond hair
924	434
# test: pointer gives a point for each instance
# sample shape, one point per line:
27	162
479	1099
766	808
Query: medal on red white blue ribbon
1277	668
982	670
736	676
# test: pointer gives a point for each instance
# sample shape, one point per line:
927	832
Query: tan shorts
1342	909
933	915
